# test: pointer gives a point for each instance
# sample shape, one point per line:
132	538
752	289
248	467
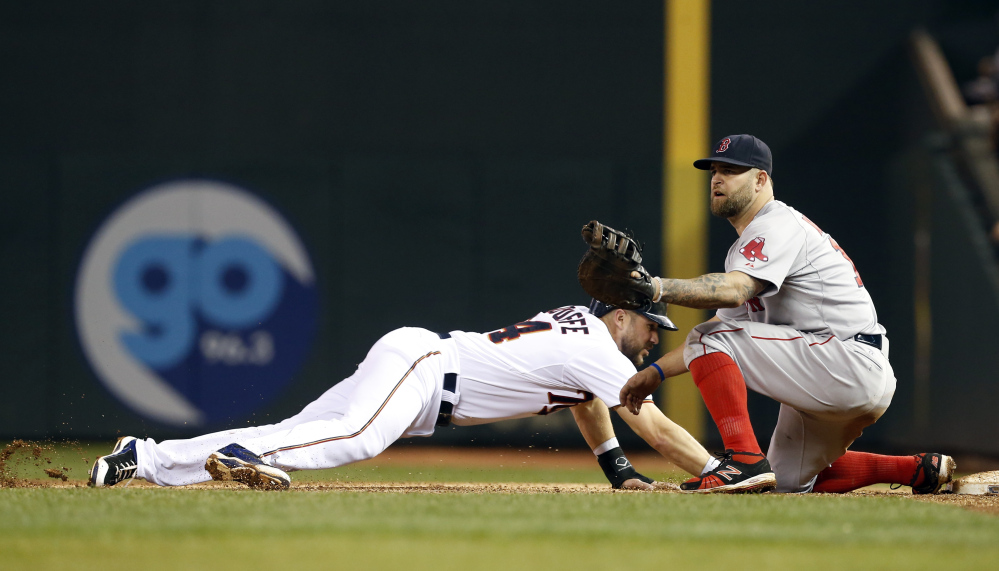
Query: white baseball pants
829	390
395	392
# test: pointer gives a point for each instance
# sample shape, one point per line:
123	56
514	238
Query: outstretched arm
711	291
668	438
593	419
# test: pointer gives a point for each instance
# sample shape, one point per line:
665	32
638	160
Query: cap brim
660	320
705	164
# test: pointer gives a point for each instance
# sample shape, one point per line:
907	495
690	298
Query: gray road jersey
814	286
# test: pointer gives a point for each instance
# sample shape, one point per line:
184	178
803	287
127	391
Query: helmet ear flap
599	308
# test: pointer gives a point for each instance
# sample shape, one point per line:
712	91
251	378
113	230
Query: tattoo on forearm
750	289
710	291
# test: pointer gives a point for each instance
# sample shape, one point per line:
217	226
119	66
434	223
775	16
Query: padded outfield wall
402	165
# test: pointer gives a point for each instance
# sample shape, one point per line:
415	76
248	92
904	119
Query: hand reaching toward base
635	484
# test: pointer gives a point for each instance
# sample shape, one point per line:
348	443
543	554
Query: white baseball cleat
118	466
237	464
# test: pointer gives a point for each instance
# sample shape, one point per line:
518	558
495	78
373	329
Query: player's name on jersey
569	315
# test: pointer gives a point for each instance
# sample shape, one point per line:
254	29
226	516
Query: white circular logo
195	302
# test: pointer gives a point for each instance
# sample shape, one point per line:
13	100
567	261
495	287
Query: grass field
336	526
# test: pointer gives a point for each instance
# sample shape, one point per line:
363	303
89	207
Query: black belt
450	385
872	340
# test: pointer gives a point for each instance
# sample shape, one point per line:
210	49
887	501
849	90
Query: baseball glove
605	270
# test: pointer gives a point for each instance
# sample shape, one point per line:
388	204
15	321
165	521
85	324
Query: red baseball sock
858	469
724	392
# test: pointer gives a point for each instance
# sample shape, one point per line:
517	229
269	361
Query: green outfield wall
426	165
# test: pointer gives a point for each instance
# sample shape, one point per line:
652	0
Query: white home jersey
555	360
814	286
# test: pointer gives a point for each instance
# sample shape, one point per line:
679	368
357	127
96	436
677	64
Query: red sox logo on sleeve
754	250
723	146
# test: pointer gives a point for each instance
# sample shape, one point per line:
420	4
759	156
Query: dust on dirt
57	473
9	459
19	454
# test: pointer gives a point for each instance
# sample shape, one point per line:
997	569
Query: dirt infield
507	457
423	456
985	504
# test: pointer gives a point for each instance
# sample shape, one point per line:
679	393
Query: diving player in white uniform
413	380
794	322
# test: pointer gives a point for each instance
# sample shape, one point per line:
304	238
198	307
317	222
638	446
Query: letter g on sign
168	281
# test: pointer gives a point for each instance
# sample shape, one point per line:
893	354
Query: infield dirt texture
417	507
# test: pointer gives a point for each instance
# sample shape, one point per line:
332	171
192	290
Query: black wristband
618	469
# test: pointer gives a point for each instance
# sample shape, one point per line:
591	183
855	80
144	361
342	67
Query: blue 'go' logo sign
239	285
195	302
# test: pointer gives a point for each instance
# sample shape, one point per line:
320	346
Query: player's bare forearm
668	438
712	291
672	363
593	419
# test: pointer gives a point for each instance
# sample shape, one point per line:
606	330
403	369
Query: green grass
160	529
151	528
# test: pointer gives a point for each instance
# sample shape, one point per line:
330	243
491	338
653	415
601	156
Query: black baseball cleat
937	470
237	464
732	477
118	466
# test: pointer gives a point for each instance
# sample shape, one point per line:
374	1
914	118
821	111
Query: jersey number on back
518	329
856	274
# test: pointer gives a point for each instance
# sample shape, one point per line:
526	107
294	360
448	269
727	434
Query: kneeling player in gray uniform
413	380
794	322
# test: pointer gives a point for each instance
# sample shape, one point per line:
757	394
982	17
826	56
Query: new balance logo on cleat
237	464
118	466
728	472
739	477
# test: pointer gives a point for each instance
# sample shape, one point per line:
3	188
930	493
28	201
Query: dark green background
438	159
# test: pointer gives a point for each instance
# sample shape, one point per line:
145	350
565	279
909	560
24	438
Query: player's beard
735	202
632	349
